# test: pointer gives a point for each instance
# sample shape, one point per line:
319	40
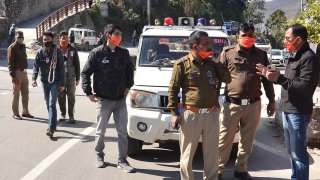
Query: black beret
48	33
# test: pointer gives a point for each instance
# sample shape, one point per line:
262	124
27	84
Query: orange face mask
115	40
204	54
246	42
64	44
291	45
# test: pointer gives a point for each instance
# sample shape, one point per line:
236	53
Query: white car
84	38
149	118
277	57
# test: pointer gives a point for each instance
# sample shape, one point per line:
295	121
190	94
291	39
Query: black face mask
47	44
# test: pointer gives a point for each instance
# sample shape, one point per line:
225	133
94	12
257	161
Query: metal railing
60	14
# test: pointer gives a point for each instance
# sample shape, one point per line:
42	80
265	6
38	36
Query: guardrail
59	15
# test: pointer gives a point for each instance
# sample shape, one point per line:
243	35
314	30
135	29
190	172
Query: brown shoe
50	133
18	117
27	115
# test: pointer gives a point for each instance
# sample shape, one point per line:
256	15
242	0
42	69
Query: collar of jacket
107	48
252	49
296	56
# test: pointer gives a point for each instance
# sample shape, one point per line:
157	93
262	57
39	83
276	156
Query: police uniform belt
240	101
199	110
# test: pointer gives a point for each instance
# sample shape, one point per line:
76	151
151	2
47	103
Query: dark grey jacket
112	73
42	65
72	63
299	82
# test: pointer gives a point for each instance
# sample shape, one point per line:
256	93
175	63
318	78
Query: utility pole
148	12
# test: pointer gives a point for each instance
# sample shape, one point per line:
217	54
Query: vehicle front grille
164	100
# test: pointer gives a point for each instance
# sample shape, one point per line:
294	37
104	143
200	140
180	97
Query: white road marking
35	172
4	93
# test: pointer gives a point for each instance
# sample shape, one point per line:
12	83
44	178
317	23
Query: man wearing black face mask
49	60
197	74
17	64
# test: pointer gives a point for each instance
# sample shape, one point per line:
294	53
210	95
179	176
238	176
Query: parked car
84	38
277	57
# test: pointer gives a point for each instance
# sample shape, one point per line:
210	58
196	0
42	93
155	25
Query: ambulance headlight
143	99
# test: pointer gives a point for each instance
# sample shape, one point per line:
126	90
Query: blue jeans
51	91
295	132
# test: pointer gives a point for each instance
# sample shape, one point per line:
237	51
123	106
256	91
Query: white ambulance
160	46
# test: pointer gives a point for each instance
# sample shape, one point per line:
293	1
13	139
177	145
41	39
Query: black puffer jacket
112	72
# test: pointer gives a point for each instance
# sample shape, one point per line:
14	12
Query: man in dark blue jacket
298	85
49	61
112	72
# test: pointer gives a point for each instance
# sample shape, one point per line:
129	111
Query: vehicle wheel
86	46
134	146
234	151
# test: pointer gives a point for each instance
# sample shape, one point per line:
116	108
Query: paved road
26	152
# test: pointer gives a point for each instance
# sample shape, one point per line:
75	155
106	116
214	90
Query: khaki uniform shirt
198	82
17	58
245	82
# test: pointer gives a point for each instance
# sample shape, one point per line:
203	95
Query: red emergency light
168	21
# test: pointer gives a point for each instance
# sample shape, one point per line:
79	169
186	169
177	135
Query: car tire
134	146
234	151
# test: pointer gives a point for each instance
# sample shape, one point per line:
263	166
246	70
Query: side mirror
134	61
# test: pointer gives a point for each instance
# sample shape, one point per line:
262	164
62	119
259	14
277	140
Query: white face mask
20	40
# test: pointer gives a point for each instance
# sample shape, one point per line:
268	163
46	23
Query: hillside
290	7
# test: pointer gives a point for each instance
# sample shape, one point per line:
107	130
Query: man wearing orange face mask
243	103
298	85
72	70
112	71
198	75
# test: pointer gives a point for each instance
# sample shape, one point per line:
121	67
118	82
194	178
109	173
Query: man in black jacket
112	72
72	69
298	85
49	63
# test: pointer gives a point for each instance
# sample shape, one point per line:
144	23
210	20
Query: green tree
277	22
254	11
310	18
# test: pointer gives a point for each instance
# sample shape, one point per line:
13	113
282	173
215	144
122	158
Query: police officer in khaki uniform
198	75
17	64
243	105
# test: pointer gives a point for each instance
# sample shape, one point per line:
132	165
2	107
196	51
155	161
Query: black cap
19	34
63	33
48	33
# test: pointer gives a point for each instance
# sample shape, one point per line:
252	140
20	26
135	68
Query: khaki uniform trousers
22	87
192	126
249	117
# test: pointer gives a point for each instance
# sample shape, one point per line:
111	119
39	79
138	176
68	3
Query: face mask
116	40
291	45
246	42
47	44
64	43
20	40
205	54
